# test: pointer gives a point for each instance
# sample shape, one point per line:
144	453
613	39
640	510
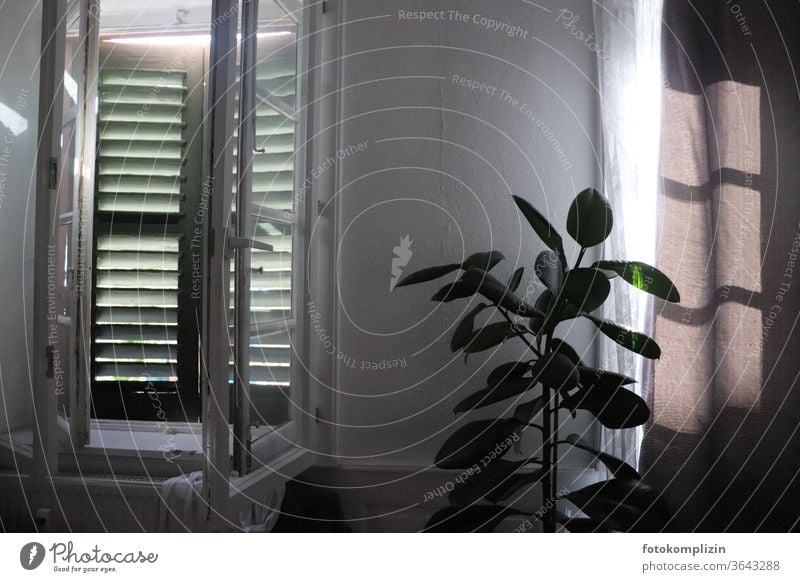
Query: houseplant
550	377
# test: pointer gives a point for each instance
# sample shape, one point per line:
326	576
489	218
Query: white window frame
288	449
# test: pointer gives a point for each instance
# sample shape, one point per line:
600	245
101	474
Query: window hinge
48	354
320	207
53	173
317	415
326	6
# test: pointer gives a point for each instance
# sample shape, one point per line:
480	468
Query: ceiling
136	16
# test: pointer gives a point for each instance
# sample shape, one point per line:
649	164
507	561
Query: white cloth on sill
262	517
183	508
182	504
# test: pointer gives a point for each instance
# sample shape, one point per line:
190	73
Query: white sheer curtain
629	75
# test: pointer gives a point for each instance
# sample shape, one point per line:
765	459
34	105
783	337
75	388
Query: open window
178	243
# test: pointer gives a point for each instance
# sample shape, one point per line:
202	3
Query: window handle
236	242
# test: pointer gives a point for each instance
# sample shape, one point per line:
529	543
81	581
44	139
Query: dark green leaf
589	220
476	518
614	408
489	336
546	303
457	290
644	277
496	292
463	331
611	380
586	289
473	441
428	274
618	467
493	394
516	279
540	225
623	504
507	372
556	370
549	270
562	347
633	340
483	481
526	411
483	261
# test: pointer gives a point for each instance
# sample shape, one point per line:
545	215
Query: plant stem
549	479
550	476
580	258
521	335
549	525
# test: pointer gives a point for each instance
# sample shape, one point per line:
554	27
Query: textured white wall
440	164
19	82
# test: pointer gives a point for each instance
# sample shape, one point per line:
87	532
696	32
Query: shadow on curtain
724	443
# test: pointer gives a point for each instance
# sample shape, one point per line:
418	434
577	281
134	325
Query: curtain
724	438
629	83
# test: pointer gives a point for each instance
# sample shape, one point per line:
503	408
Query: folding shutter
140	159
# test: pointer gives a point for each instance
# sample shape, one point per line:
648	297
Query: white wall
19	82
445	178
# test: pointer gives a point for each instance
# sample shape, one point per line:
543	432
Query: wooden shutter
140	181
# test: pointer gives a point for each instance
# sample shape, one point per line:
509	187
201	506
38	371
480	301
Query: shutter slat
160	132
135	113
269	376
139	372
141	95
138	316
273	126
129	353
140	77
140	167
132	334
125	183
163	299
166	243
134	203
273	163
133	260
137	279
129	148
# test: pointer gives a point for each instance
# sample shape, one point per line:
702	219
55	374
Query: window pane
276	61
270	367
271	279
276	87
273	161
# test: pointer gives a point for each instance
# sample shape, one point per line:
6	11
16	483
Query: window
180	240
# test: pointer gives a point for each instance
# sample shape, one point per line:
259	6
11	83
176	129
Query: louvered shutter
140	159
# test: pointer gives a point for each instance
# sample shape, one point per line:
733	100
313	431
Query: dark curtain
724	441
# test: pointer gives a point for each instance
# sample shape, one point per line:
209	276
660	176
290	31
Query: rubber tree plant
549	377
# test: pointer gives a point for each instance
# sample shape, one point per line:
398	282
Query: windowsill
135	449
146	436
